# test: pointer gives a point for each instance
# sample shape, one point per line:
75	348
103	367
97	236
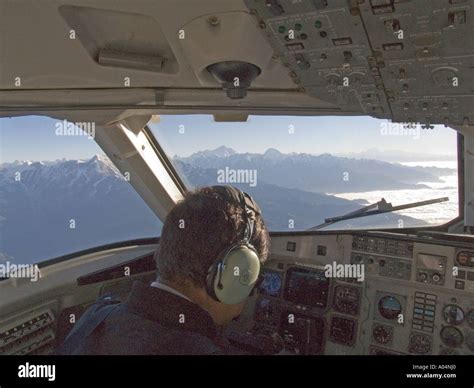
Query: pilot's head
211	248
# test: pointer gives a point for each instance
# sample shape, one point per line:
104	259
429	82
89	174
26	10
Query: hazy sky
34	138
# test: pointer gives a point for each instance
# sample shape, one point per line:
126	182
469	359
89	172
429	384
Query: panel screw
213	20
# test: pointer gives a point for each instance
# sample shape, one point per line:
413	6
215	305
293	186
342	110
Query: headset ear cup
233	275
241	268
211	277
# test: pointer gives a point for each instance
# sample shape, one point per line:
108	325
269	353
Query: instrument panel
322	293
365	293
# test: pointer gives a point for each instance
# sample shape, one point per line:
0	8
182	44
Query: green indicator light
281	29
318	24
298	27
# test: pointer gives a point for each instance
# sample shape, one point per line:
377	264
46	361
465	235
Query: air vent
31	334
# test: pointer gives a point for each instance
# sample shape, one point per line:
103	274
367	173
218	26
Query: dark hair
197	230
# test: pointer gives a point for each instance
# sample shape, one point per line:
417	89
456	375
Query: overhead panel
389	59
429	59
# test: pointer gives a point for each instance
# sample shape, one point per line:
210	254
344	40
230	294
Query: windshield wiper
379	207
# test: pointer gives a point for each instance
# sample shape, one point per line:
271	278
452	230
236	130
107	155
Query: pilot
208	262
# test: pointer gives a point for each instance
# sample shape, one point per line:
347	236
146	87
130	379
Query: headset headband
238	196
246	202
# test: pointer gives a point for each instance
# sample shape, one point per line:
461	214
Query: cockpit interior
351	122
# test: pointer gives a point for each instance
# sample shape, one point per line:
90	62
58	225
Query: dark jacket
153	321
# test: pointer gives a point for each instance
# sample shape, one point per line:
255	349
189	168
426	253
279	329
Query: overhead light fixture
234	76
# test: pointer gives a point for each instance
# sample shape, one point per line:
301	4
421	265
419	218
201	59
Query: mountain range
38	211
319	173
49	209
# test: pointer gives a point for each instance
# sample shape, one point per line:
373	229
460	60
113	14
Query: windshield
302	170
60	194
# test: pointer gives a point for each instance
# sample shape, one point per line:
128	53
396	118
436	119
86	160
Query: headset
234	274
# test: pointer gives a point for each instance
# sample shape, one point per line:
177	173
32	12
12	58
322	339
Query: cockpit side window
60	194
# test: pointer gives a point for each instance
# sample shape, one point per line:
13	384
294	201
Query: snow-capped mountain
282	207
320	173
220	152
49	209
65	175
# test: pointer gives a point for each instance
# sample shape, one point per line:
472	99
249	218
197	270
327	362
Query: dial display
420	343
346	300
452	336
271	284
389	307
343	330
382	334
453	314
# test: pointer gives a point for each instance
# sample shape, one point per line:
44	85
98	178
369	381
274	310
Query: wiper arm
380	207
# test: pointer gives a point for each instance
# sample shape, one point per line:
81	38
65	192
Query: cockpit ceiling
405	60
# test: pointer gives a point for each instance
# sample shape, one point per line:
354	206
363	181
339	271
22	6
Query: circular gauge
346	300
470	318
453	314
271	284
451	336
389	307
382	334
420	343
